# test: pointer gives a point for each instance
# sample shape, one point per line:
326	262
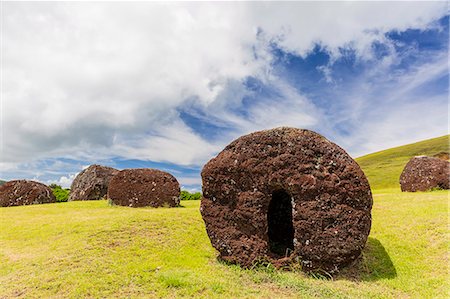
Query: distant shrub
186	195
62	195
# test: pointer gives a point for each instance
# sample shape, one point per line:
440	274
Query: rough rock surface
92	183
144	187
24	192
286	195
424	173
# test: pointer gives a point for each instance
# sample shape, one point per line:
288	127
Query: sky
169	85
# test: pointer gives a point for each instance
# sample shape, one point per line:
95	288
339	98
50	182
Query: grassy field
89	249
93	250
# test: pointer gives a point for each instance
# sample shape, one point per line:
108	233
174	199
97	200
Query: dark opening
279	220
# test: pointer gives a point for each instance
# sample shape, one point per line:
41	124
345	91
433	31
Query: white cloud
64	181
189	180
174	142
400	126
98	80
91	73
420	75
339	24
401	113
289	108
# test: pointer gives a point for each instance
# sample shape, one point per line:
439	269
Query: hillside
383	168
2	182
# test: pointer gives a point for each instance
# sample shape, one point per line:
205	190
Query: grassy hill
2	182
383	168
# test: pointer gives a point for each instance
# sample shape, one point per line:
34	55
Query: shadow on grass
373	264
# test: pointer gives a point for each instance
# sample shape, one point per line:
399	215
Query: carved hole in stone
279	221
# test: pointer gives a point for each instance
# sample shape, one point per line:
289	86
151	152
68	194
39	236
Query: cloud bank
175	82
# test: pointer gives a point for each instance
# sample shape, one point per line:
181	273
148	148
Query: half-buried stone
423	173
144	187
92	183
25	192
286	196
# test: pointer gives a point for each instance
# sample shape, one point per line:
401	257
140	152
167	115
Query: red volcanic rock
24	192
424	173
144	187
92	183
285	195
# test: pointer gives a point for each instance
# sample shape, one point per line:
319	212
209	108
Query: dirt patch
287	196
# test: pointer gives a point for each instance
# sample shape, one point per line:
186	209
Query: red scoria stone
92	183
24	192
286	196
144	187
424	173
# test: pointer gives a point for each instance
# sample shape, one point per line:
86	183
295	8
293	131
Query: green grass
91	249
61	195
383	168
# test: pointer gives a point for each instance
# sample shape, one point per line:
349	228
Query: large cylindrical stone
144	187
286	195
24	192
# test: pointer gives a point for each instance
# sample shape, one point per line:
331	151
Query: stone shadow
373	264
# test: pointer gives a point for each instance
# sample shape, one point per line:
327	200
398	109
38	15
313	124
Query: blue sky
167	86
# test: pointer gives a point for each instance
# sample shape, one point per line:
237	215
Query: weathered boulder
25	192
144	187
424	173
286	195
92	183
